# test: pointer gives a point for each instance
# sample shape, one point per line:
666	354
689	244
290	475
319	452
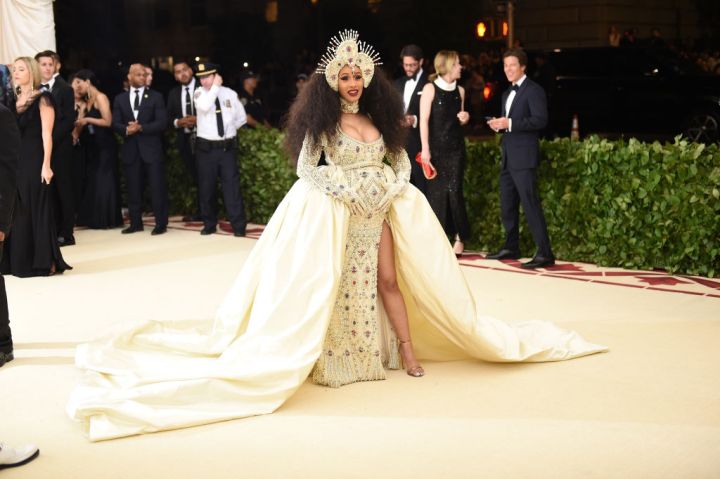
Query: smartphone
488	118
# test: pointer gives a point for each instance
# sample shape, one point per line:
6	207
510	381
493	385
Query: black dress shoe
538	262
504	254
132	229
239	234
208	231
6	358
66	242
158	230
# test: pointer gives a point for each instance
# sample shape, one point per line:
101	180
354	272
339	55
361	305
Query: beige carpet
650	408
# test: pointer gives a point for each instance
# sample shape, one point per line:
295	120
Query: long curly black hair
316	111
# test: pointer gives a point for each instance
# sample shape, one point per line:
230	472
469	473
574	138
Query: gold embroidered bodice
344	153
353	348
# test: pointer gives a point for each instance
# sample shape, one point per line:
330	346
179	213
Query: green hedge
614	203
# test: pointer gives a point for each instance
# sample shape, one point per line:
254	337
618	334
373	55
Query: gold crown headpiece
345	49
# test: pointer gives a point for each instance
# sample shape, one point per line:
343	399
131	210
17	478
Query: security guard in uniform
219	115
257	114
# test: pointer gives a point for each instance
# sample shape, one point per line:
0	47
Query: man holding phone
524	115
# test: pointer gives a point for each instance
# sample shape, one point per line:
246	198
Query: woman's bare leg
393	301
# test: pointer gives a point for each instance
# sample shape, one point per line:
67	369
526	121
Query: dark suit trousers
516	187
136	171
417	177
183	144
6	344
63	179
212	163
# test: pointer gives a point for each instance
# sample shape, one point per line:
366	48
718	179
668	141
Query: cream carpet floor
650	408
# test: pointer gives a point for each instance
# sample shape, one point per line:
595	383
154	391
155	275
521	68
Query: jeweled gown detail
282	318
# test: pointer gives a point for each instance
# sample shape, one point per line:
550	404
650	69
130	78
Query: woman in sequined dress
338	124
351	260
442	116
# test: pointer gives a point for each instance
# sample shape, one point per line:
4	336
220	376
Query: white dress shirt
410	85
51	82
233	113
510	98
141	91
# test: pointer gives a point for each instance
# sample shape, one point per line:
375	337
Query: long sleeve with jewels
327	178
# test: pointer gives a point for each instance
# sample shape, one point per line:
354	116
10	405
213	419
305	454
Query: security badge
228	104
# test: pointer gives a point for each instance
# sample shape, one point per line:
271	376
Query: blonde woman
442	116
31	246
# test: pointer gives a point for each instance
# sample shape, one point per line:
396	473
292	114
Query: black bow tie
515	88
45	86
413	78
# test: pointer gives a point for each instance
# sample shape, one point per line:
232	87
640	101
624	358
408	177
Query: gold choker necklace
347	107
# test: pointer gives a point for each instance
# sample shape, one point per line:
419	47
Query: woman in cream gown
354	230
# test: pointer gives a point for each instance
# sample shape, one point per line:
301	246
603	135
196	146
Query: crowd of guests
67	131
80	177
68	171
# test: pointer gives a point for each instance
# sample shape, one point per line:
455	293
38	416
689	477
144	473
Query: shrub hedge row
614	203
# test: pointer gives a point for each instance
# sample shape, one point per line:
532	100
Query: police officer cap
207	68
247	74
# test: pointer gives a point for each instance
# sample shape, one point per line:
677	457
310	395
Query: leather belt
224	144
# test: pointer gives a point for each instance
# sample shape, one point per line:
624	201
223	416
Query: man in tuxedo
139	116
9	155
62	154
524	115
181	113
410	87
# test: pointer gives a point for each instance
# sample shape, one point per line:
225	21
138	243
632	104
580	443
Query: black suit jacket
9	157
175	101
529	115
152	116
413	144
64	113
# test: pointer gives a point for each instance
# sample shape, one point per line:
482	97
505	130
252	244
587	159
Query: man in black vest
410	87
524	115
139	116
62	154
181	114
9	155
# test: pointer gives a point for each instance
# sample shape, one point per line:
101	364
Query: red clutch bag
428	170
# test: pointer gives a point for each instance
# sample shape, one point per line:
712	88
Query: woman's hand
81	122
425	157
46	175
464	117
357	205
75	137
394	190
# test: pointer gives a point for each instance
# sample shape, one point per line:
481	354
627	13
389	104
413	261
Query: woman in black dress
442	115
31	246
100	205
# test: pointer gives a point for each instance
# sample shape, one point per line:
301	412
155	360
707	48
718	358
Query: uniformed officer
219	115
256	112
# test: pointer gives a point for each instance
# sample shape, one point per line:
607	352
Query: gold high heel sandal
414	371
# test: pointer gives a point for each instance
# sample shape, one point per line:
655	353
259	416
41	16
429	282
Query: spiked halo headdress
346	49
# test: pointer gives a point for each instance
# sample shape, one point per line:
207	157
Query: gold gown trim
271	328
